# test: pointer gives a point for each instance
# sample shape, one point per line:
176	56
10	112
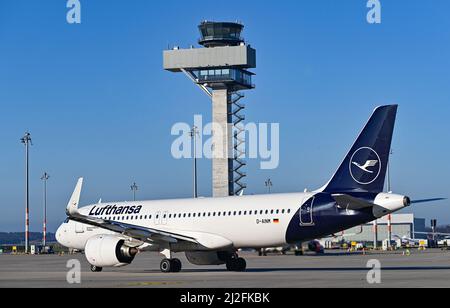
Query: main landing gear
170	266
236	264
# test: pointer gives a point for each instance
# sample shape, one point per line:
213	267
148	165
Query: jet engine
109	251
389	203
316	247
206	258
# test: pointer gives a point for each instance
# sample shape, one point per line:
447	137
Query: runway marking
154	283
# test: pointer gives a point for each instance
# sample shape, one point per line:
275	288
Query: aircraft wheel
166	266
241	265
96	269
231	265
298	253
236	265
176	266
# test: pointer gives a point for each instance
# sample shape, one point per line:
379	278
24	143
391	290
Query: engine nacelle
109	251
316	247
206	258
389	203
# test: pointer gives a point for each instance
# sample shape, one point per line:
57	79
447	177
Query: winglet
72	206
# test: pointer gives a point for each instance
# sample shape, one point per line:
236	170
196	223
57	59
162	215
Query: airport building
403	225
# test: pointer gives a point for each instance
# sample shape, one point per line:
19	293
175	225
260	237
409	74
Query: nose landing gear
96	269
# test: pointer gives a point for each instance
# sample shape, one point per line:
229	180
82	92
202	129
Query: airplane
406	241
210	231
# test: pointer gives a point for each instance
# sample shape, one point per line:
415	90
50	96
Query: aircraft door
306	213
79	228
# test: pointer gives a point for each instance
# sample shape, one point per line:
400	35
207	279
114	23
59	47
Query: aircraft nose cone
60	238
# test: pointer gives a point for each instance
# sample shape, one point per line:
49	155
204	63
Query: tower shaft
222	145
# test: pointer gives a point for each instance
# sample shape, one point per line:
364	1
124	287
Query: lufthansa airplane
210	231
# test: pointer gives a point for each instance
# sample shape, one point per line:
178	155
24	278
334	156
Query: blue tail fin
364	167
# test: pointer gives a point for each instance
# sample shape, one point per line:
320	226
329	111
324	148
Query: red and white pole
44	178
390	229
375	234
26	140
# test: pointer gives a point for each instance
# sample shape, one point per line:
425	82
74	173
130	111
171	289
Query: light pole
26	140
134	188
269	184
44	179
193	134
389	191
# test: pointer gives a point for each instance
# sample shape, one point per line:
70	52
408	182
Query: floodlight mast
26	140
220	69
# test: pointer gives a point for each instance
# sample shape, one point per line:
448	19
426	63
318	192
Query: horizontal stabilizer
351	203
428	200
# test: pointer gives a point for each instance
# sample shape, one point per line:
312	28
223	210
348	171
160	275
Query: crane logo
369	163
365	166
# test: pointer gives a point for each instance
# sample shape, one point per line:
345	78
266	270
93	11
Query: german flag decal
276	221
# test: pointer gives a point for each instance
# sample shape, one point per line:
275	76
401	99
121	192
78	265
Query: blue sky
99	105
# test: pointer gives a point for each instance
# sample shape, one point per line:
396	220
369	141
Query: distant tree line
18	238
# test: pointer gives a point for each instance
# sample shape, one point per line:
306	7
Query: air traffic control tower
220	69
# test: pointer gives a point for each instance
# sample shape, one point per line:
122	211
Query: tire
241	265
298	253
166	266
231	265
96	269
237	265
176	266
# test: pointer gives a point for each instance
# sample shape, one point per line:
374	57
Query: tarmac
430	268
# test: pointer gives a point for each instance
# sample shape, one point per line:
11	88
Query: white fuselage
246	222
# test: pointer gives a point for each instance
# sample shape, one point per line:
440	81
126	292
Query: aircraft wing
351	203
144	234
